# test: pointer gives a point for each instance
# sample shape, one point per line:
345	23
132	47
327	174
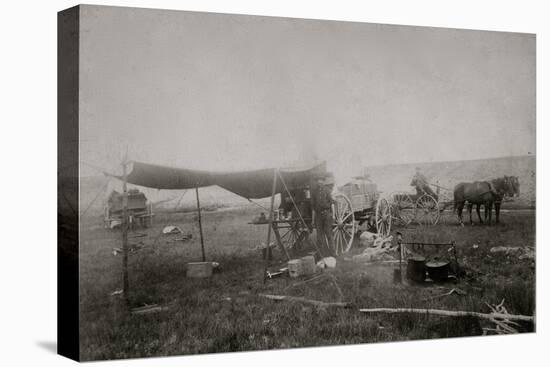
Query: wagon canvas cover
254	184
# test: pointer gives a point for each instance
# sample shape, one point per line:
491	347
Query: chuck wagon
356	203
362	198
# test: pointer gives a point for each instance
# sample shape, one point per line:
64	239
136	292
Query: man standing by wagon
322	205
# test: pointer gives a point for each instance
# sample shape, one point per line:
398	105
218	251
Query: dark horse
484	193
512	189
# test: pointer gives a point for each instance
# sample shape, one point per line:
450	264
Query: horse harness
494	191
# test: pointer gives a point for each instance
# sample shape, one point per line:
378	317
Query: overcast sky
226	92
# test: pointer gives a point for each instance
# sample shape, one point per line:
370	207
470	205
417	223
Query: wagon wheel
383	217
344	226
427	210
292	236
404	208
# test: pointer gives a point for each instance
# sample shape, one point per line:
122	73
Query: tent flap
254	184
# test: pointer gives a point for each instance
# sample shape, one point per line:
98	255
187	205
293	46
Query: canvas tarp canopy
254	184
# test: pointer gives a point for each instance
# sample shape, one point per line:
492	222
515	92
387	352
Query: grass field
225	313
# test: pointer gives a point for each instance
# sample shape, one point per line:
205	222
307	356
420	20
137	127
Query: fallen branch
137	235
148	309
305	300
486	316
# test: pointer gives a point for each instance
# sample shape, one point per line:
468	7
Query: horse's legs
497	211
488	210
478	213
459	207
490	205
470	206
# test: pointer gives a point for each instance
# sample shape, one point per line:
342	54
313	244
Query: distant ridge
415	164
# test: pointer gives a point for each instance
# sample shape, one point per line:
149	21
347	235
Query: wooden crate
199	270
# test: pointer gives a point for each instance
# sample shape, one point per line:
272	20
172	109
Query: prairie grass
225	313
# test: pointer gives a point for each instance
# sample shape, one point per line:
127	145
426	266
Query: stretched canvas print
237	183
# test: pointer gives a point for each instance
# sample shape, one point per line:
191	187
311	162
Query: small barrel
308	265
199	270
416	269
295	268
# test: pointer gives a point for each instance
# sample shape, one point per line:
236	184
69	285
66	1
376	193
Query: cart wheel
404	208
292	236
427	210
383	217
344	226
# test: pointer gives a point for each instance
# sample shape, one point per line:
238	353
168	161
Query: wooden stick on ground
305	300
486	316
312	279
148	309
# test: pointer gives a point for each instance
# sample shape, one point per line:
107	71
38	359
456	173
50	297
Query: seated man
420	182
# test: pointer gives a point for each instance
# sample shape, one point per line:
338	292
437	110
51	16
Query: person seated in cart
420	182
322	201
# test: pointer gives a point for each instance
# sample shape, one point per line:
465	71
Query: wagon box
138	208
136	201
361	192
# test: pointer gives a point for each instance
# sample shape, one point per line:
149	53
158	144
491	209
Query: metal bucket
416	269
438	270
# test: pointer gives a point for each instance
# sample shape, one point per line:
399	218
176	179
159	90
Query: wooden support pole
279	241
399	243
200	223
273	192
125	282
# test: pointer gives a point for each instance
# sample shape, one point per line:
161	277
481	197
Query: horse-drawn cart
425	207
407	208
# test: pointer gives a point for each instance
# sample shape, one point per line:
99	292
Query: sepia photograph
238	183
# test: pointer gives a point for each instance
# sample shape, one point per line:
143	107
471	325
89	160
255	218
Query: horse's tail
458	195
